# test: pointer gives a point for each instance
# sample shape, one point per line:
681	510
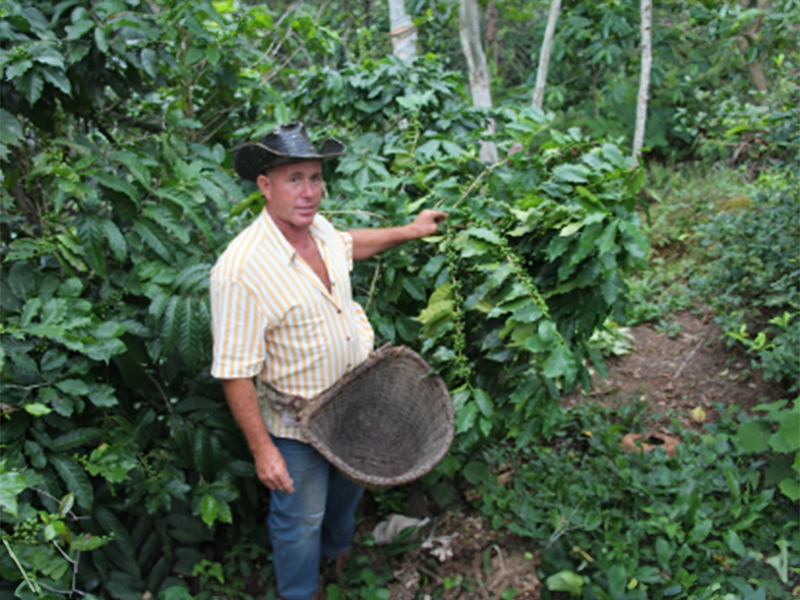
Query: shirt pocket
305	332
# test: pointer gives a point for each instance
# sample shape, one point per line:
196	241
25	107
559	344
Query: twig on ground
430	573
688	358
497	579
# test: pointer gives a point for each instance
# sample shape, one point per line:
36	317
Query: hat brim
253	158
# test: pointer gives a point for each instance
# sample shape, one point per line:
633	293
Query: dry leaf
698	414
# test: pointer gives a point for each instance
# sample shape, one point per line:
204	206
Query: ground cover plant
614	524
753	281
679	198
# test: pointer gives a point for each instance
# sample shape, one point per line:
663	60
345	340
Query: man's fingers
280	480
288	485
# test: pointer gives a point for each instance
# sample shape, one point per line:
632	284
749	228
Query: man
283	313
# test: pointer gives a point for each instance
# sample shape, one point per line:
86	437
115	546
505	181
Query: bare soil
674	374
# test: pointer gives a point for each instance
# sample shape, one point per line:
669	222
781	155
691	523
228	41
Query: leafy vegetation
706	523
122	471
754	280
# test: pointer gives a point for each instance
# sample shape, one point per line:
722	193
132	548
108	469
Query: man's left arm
369	242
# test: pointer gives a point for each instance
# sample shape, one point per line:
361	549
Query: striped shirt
273	318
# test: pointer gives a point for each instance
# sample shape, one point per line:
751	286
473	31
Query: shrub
753	279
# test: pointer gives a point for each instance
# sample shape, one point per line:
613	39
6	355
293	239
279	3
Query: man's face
293	194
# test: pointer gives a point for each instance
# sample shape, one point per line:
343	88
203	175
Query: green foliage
679	197
531	265
116	213
753	281
760	136
115	195
594	70
115	134
617	524
778	434
612	340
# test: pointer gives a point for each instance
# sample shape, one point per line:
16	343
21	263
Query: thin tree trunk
754	68
544	56
470	31
644	79
403	31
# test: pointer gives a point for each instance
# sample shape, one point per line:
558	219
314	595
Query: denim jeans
317	520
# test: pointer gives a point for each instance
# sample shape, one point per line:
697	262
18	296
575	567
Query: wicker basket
387	422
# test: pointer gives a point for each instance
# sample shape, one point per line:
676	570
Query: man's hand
427	222
271	469
369	242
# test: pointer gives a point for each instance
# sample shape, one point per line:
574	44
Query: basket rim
330	395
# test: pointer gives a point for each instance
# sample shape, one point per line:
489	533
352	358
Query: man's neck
298	237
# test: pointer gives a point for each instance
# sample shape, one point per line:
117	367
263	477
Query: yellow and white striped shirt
273	318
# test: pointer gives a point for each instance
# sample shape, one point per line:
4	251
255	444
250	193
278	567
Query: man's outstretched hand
427	222
369	242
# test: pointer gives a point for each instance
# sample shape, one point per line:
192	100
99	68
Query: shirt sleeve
238	325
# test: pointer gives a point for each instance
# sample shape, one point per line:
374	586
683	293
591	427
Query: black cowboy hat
283	145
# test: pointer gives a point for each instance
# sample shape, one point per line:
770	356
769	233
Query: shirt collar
281	244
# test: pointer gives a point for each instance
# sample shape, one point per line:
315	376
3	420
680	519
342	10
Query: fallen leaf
698	414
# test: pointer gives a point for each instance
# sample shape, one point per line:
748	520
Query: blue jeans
317	520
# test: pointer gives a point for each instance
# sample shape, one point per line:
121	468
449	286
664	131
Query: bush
753	279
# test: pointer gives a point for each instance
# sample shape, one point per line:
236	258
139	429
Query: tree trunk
645	28
544	56
470	31
403	31
754	68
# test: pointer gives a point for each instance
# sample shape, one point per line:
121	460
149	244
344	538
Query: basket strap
279	398
301	404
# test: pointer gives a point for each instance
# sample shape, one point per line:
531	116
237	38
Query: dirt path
681	372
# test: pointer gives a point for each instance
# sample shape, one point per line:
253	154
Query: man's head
292	194
284	145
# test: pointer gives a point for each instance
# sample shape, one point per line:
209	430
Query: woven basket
387	422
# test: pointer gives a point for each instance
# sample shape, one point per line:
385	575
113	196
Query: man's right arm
270	466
